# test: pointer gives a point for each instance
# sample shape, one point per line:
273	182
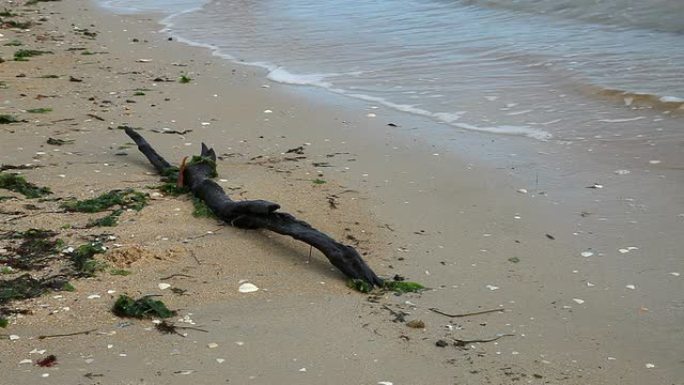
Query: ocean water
542	69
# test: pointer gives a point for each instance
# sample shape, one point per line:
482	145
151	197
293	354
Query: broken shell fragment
248	288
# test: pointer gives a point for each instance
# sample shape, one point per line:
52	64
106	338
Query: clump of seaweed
24	54
25	286
397	286
124	199
17	183
37	248
82	259
39	110
201	209
128	198
144	307
8	119
205	160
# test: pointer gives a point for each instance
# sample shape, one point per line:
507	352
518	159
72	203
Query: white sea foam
281	75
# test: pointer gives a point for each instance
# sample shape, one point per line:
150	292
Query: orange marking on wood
181	170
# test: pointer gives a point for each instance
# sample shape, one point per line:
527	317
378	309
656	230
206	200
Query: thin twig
176	275
66	335
434	309
466	342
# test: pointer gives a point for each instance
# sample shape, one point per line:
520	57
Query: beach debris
248	288
396	286
514	259
184	79
522	190
24	54
587	254
492	287
124	199
578	301
596	186
626	250
17	183
220	360
163	286
416	324
399	316
8	119
674	274
212	345
631	287
622	172
39	110
13	337
650	366
385	383
464	343
59	142
254	214
166	130
470	314
144	307
441	343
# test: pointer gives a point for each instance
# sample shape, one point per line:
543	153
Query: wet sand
422	210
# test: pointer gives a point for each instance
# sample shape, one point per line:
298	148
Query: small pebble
650	366
212	345
220	360
579	301
631	287
586	254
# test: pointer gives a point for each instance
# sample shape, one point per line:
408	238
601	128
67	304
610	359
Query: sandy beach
587	280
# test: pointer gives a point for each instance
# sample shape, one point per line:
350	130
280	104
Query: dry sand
411	207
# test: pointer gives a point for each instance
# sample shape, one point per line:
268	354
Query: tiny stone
212	345
441	343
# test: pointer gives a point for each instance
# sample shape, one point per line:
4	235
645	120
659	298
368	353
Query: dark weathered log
256	214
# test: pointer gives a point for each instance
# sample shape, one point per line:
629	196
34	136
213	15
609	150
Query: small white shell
164	286
248	288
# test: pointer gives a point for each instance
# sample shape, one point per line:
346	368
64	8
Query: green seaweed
360	285
16	24
127	199
204	160
14	42
23	54
401	287
39	110
110	220
319	181
144	307
120	272
25	286
184	79
139	93
59	142
83	261
8	119
7	13
398	287
17	183
3	322
171	188
37	248
35	2
201	210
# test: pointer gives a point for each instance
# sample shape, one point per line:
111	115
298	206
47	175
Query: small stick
66	335
176	275
434	309
192	253
466	342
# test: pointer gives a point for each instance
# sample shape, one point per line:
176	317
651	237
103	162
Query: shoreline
455	210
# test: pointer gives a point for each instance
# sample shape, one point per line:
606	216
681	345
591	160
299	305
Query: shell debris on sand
163	286
248	288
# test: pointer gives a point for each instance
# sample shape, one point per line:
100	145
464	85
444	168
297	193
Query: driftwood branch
256	214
